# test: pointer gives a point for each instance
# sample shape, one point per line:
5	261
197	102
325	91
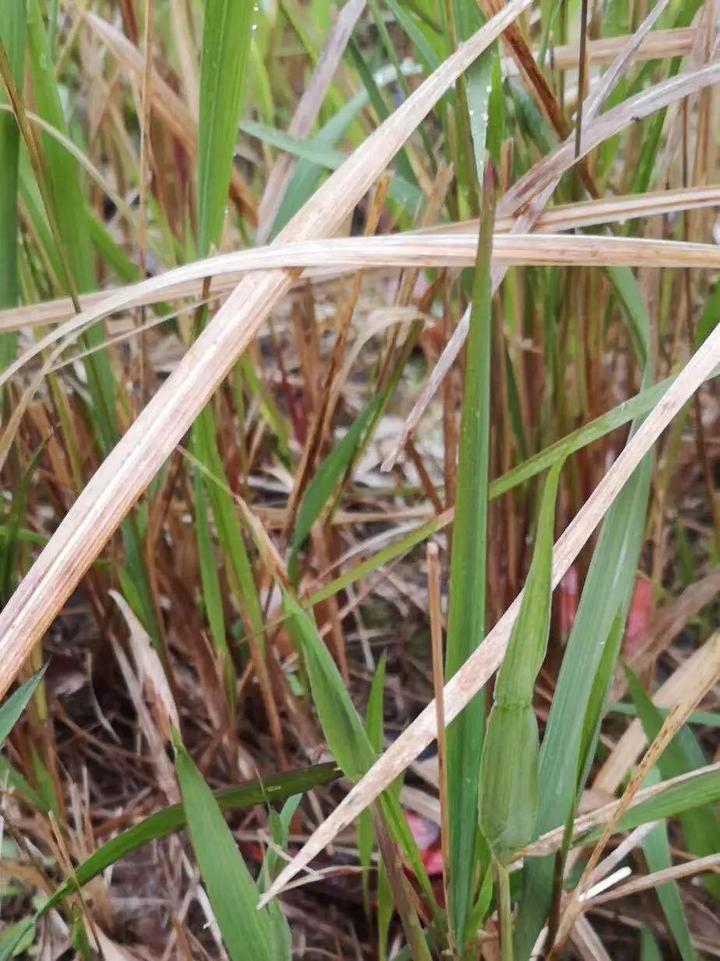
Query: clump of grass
227	416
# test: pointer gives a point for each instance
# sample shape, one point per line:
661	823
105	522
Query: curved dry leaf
149	671
187	281
348	254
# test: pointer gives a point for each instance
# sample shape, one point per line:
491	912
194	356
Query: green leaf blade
232	892
227	35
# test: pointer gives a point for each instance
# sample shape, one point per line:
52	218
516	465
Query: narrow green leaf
368	80
374	718
231	890
279	823
415	33
229	529
482	86
171	819
597	701
211	591
649	950
657	854
13	707
608	586
709	318
600	427
343	729
674	800
344	732
16	939
61	170
12	781
227	33
12	36
374	727
327	477
466	617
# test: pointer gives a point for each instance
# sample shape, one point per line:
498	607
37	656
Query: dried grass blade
438	249
178	283
675	873
658	45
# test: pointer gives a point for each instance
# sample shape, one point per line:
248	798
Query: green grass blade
368	80
12	781
594	430
575	441
232	892
414	31
10	557
171	819
227	33
61	171
279	823
709	318
17	939
649	950
466	617
608	586
343	729
228	524
597	701
227	36
319	156
211	590
12	36
374	728
14	706
700	718
656	848
327	477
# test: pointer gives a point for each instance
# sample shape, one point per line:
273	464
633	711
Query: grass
252	471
